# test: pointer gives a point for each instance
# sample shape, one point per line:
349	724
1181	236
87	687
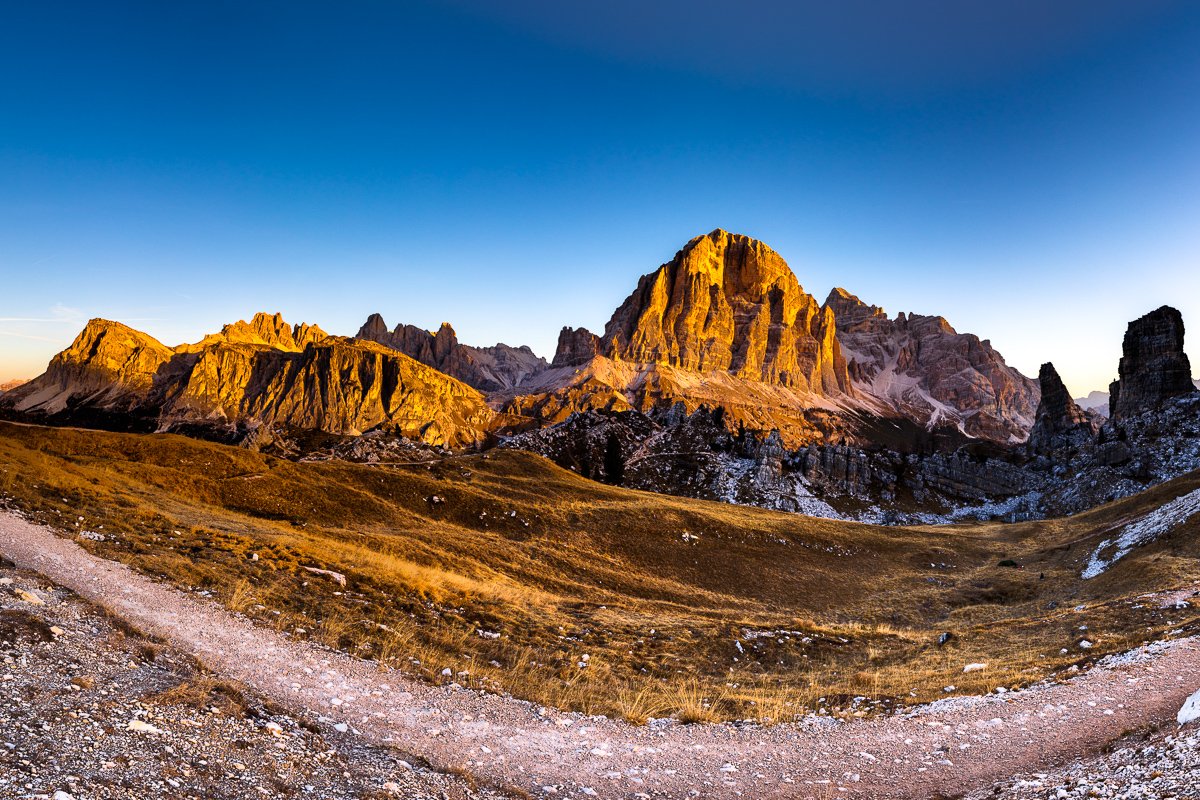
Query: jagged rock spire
1153	366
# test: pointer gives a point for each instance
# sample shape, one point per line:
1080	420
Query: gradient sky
1029	170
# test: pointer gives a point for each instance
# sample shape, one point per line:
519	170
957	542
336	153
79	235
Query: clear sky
1029	170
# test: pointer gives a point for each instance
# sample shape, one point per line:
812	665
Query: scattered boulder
336	577
1190	712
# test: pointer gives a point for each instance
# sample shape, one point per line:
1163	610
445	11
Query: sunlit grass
532	581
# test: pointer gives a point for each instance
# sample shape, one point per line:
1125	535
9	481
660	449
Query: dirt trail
950	748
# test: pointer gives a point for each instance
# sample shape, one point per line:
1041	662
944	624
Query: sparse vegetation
528	579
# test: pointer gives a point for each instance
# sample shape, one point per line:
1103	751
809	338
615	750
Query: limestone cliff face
488	369
925	370
729	303
1153	367
254	374
338	386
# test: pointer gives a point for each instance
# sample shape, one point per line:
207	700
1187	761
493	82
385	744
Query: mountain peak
1059	420
729	302
485	368
849	309
266	329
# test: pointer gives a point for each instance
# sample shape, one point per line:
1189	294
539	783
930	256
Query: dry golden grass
533	581
205	693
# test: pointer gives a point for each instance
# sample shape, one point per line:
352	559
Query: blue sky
1029	170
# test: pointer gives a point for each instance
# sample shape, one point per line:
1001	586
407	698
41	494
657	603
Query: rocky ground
90	709
126	718
1148	766
94	709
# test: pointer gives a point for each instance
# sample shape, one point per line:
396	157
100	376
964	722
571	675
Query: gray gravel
83	715
1158	766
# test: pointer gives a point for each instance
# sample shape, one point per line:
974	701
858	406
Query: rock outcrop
1060	423
265	329
694	454
1153	367
575	346
729	303
252	375
488	369
921	368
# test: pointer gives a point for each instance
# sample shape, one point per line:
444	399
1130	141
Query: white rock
1191	709
138	726
61	795
975	667
336	577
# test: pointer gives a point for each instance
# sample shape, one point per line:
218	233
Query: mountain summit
728	302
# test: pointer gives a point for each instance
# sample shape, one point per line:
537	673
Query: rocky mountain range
726	323
718	377
923	369
1096	401
488	369
1073	459
248	379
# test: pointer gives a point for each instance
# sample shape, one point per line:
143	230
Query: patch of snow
1146	530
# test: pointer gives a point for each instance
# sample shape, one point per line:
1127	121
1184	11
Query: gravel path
949	747
92	711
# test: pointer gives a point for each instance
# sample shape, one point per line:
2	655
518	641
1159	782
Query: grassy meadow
503	572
